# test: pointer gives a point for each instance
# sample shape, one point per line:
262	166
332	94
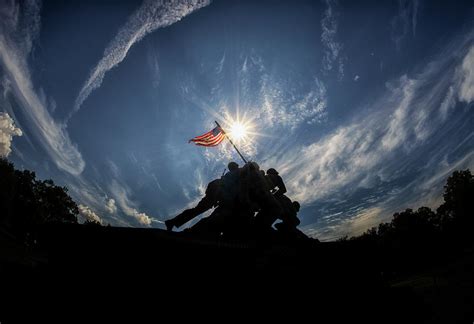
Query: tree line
26	202
452	221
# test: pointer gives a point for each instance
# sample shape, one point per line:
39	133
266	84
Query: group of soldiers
247	201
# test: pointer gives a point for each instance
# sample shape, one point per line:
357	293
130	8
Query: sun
238	131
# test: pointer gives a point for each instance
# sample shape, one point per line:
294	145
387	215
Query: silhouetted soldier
289	218
288	210
233	217
220	192
230	185
244	191
288	227
210	200
275	181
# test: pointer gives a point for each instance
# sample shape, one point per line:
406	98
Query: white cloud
121	195
356	78
466	90
396	131
284	109
110	206
7	131
332	54
5	86
360	222
150	16
154	67
374	150
424	190
431	186
405	18
447	104
88	214
220	66
91	194
274	104
17	35
400	121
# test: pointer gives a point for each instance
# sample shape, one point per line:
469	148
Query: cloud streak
332	54
274	103
408	118
150	16
19	29
405	18
122	197
466	75
384	145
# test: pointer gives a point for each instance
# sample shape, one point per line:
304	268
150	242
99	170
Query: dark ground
347	281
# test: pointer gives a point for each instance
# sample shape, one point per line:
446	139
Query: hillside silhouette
420	264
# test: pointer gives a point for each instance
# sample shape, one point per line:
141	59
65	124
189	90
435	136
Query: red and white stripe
208	139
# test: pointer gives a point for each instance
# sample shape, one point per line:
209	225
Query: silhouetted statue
290	209
230	185
242	193
264	220
232	217
246	191
210	200
288	226
219	192
275	181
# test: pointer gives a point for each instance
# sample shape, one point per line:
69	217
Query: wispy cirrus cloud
424	190
383	146
466	77
122	197
96	198
154	67
332	58
150	16
275	104
410	114
20	26
405	20
7	131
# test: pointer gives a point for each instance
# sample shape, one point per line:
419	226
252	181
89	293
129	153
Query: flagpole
245	161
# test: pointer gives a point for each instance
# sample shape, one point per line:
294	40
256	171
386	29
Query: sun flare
238	131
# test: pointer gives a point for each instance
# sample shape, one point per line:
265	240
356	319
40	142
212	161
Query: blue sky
363	107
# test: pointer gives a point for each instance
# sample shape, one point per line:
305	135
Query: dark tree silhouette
454	219
456	214
26	202
91	222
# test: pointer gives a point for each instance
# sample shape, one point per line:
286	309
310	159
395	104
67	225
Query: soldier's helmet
232	166
272	171
296	205
254	166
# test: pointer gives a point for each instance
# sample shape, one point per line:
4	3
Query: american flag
211	138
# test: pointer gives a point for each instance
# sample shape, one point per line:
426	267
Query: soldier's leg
187	215
264	220
209	226
183	218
